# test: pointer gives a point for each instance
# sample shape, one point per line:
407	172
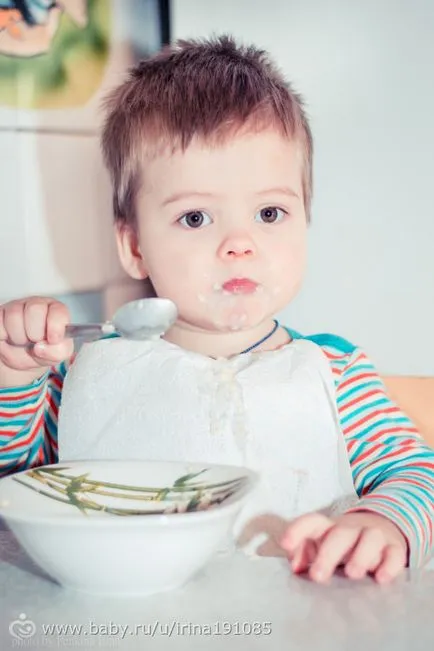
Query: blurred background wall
57	61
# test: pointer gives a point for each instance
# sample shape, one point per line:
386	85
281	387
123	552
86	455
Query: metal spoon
143	319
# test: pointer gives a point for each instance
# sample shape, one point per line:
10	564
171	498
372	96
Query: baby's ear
129	251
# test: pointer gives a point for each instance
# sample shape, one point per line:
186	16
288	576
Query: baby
210	156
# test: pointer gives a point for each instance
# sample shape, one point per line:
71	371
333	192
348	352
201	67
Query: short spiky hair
208	89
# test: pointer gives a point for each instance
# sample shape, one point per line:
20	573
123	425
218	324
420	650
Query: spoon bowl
146	318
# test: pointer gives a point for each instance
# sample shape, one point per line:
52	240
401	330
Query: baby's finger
3	333
13	320
45	354
311	526
303	557
366	555
57	318
35	319
15	357
394	561
335	546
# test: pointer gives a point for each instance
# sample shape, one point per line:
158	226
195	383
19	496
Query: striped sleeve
28	422
392	466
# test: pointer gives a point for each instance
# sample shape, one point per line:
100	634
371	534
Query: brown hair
209	89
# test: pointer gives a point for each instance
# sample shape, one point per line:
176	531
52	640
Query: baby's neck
226	344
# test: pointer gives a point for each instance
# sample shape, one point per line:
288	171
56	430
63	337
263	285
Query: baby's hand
362	542
32	337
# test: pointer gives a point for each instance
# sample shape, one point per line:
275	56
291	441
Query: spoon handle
86	330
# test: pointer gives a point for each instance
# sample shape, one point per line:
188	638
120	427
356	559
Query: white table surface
233	591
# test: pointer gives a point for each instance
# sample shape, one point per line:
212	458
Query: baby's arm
393	473
393	468
28	422
33	348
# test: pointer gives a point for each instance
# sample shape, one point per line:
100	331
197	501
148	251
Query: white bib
273	411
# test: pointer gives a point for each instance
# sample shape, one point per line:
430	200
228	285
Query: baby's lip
240	286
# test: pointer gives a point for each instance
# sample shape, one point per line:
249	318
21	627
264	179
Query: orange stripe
406	480
23	442
54	405
24	412
355	401
393	430
334	357
370	416
368	453
357	378
57	381
382	502
22	396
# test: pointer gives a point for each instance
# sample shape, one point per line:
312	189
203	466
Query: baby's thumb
46	354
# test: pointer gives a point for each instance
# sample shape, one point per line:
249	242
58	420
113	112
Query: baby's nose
237	246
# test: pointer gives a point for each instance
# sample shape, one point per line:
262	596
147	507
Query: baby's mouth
238	286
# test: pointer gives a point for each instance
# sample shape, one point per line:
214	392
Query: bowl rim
149	519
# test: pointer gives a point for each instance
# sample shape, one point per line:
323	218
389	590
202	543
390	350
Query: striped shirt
392	467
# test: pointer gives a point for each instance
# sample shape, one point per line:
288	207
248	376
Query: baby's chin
234	313
234	321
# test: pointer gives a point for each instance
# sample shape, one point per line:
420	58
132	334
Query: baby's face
222	230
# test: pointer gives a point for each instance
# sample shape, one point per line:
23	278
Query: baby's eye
195	219
270	215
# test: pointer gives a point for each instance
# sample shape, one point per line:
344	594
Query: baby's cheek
287	273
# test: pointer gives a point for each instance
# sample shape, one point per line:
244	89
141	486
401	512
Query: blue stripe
358	368
56	395
12	425
50	424
380	473
24	433
396	507
25	389
14	454
390	440
10	468
359	388
392	422
402	494
20	403
339	344
366	407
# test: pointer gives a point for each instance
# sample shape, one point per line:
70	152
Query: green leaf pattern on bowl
184	495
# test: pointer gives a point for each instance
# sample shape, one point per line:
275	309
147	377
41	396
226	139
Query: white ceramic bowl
123	527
